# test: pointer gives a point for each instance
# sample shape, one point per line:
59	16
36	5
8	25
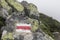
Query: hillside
51	25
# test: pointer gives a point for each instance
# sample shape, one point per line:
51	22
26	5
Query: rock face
41	36
57	35
15	12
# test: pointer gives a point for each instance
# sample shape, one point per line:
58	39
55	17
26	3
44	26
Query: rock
20	37
24	3
28	36
16	5
41	36
5	5
7	36
56	35
23	12
33	9
34	23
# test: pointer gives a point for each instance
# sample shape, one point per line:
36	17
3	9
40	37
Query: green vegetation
34	23
5	5
49	25
8	36
16	5
46	29
32	7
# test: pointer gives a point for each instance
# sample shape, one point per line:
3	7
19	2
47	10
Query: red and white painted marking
23	27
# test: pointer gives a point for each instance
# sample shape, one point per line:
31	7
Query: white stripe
21	24
20	30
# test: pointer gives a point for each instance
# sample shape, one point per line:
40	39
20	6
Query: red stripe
24	27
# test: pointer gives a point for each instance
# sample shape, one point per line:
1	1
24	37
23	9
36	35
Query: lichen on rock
16	5
5	5
23	12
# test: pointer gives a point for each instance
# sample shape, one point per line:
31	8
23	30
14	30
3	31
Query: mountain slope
51	25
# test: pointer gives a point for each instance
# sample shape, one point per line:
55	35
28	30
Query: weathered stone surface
35	24
32	7
30	15
24	3
56	35
5	5
16	5
7	36
41	36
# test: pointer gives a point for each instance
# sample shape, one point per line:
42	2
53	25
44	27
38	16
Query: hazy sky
48	7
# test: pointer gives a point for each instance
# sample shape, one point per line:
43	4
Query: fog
48	7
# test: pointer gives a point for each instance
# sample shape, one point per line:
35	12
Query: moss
5	5
16	5
8	36
32	7
34	23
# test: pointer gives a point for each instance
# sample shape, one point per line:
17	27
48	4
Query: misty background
48	7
